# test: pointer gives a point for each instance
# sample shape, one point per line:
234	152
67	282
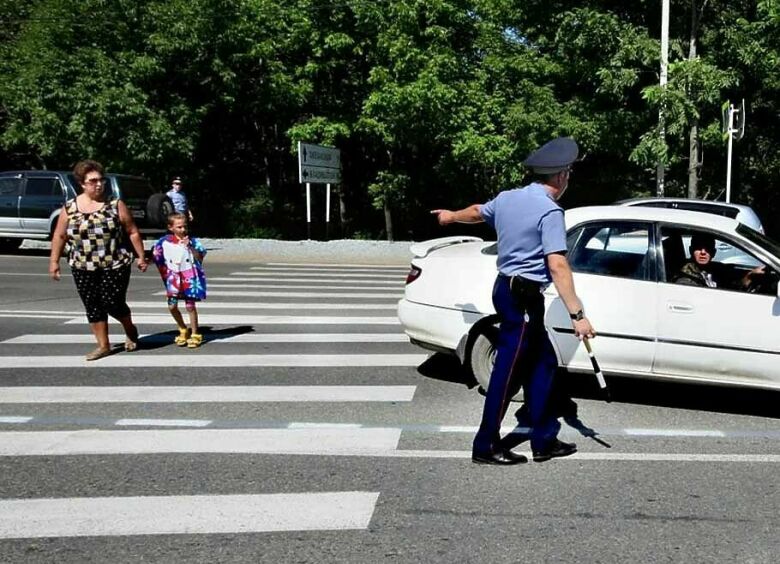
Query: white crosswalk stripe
260	320
212	339
201	394
201	514
215	360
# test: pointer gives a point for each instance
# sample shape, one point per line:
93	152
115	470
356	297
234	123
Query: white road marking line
35	315
214	360
14	419
162	422
229	319
303	287
329	441
675	432
251	294
197	514
324	426
80	338
599	457
325	269
334	265
323	276
203	394
276	280
47	311
209	304
211	338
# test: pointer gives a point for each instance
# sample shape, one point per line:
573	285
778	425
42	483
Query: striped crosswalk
323	312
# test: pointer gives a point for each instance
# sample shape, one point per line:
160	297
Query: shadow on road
717	399
165	338
447	368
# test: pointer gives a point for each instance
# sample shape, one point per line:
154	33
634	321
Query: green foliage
433	103
251	218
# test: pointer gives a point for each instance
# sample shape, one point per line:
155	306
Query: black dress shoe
511	440
555	449
505	458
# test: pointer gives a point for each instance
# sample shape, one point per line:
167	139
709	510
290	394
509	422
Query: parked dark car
31	201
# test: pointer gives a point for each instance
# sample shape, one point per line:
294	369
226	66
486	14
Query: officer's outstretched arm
470	214
564	283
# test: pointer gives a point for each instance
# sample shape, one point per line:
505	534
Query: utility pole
659	171
734	121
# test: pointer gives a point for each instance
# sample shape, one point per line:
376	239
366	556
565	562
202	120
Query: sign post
318	164
733	122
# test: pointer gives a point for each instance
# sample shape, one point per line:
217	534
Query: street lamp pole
659	171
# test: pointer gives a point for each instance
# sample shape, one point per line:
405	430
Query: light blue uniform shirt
530	226
179	200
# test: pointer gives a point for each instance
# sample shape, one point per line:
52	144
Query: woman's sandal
98	353
131	343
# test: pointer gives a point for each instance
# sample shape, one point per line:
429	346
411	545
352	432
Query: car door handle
679	308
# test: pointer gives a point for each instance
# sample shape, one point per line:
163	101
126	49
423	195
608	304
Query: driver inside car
701	270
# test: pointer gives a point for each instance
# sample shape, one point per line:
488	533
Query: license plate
139	214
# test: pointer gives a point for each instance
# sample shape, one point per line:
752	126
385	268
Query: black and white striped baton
597	370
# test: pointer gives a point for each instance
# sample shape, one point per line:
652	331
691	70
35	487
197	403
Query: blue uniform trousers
524	356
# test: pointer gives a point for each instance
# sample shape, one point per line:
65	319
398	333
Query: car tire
158	208
482	354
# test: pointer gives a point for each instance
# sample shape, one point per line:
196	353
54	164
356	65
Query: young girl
179	257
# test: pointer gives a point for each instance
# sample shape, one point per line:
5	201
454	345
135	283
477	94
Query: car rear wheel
158	208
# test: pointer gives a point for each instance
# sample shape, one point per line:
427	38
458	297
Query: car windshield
759	239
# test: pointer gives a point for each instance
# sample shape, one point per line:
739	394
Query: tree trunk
693	161
388	222
693	136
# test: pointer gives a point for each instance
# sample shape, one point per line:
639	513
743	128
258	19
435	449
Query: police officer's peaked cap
553	156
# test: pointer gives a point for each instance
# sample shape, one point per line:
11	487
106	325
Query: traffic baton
597	370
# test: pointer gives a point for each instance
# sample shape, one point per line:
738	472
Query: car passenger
702	271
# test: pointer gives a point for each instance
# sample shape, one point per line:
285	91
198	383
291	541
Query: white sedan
624	261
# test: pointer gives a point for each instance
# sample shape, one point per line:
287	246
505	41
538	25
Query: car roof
703	220
632	201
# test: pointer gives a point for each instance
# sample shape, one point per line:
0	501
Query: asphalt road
306	429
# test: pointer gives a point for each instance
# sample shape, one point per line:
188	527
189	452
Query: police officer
531	254
179	199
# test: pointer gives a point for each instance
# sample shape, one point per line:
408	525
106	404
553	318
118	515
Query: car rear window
42	187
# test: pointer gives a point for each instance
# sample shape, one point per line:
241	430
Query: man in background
179	199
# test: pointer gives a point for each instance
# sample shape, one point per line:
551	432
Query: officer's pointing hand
444	216
583	329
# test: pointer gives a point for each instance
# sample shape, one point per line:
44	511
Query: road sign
318	164
319	175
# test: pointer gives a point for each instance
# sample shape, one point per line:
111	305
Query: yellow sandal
183	336
194	341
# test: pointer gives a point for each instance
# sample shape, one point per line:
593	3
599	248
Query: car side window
723	264
42	187
10	186
618	249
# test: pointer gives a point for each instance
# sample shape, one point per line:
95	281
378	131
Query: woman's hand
54	270
142	264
